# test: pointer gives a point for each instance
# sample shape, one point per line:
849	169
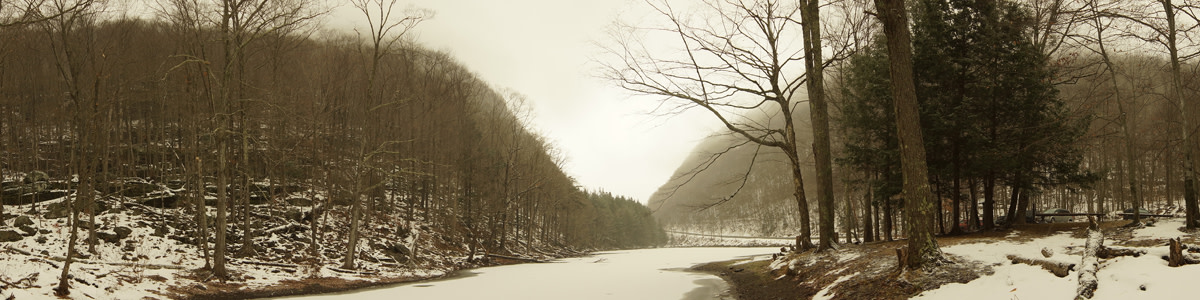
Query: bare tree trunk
198	195
352	244
804	240
1185	120
819	112
63	288
247	249
222	197
974	214
923	249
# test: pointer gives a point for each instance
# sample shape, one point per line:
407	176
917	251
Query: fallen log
287	228
18	250
514	258
1107	252
1090	263
119	263
268	264
340	270
1057	268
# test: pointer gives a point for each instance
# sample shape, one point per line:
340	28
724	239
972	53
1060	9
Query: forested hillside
251	133
728	187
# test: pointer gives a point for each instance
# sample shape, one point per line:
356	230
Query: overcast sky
543	49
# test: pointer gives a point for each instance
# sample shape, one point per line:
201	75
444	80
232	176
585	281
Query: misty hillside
715	169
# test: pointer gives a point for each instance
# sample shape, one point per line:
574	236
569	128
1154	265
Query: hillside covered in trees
245	133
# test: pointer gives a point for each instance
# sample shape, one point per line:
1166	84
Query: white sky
542	49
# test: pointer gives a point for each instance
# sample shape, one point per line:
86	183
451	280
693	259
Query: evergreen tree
988	108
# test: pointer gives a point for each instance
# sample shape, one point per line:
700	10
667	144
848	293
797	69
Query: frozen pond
632	274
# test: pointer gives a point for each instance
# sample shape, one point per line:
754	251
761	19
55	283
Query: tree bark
819	112
923	249
222	196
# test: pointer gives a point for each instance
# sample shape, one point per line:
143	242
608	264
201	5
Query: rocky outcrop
10	236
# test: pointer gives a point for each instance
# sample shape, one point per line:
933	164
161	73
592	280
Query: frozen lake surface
628	274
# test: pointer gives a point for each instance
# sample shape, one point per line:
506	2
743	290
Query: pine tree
988	108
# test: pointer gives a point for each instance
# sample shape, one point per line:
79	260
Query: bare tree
237	23
730	65
386	31
70	37
1158	23
1128	125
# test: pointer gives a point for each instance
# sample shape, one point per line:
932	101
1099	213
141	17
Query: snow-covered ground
632	274
1125	277
149	256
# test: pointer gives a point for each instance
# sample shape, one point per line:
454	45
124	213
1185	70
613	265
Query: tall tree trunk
956	193
1185	120
352	243
819	112
222	198
247	249
1014	217
974	214
888	221
923	249
79	158
940	214
868	214
63	288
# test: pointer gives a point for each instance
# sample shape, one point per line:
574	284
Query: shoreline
750	281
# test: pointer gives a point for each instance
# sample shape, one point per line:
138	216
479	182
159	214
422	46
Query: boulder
108	237
122	232
56	210
299	201
295	215
160	200
10	236
23	221
27	231
137	188
44	195
394	250
84	224
160	231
